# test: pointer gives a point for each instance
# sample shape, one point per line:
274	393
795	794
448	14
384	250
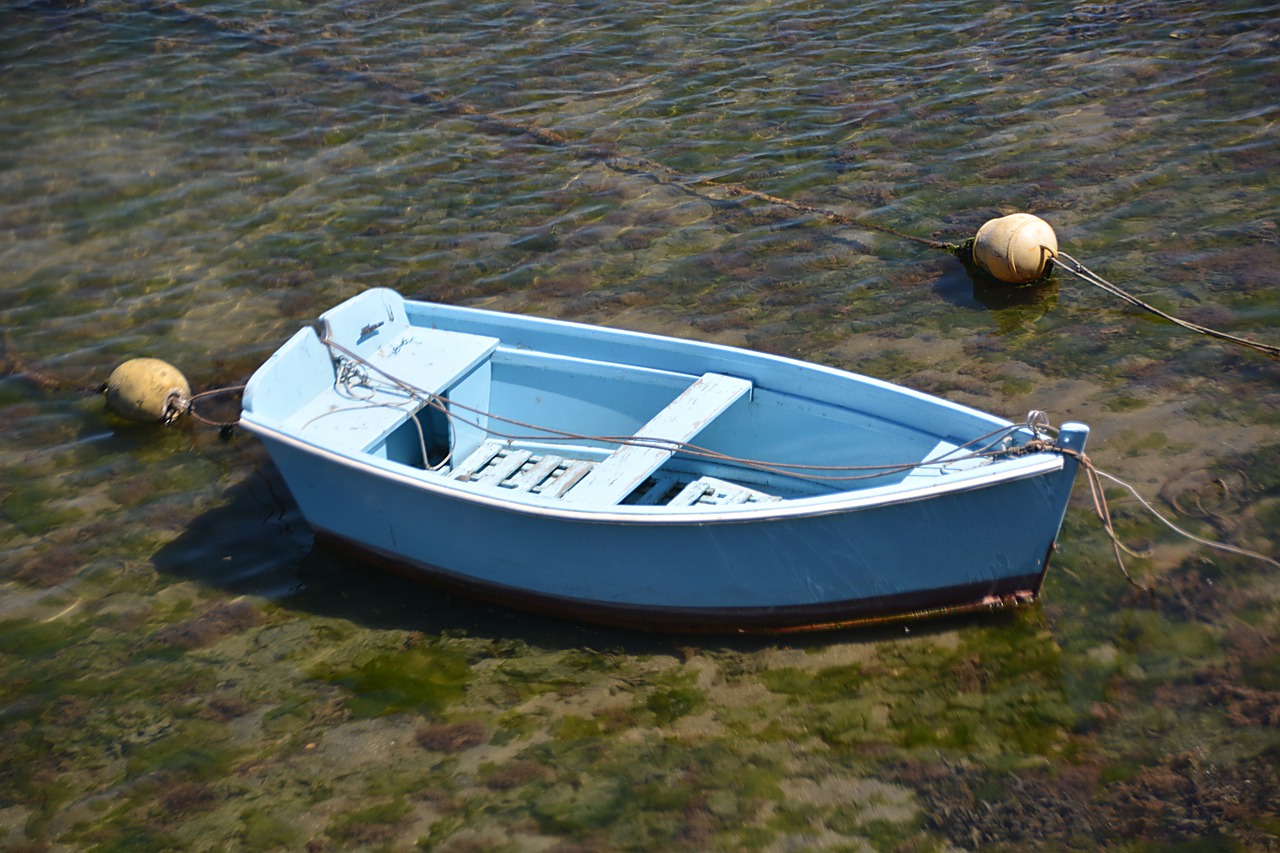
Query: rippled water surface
182	669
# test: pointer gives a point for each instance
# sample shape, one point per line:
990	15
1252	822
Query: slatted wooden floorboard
496	464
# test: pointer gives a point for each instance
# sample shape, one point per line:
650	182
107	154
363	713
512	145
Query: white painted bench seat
361	417
615	477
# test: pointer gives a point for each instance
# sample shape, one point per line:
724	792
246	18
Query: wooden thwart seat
616	476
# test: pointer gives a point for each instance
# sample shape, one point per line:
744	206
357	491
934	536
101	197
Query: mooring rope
984	443
1076	268
1094	477
644	165
188	406
1175	528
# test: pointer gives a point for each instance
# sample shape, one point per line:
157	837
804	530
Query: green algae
35	507
29	640
577	729
427	678
1263	673
647	794
827	684
371	823
514	725
1133	444
668	704
1126	403
262	830
123	836
587	805
197	749
674	696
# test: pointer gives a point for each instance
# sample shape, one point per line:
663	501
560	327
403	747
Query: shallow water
182	668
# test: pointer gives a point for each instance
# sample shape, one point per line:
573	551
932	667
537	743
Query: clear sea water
181	669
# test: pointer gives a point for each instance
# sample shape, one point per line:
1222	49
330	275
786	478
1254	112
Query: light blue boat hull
790	556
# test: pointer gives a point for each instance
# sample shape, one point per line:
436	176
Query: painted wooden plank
627	467
691	494
710	490
567	479
503	467
535	473
479	458
727	487
655	493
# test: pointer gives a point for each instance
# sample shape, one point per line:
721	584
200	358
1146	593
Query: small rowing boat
632	479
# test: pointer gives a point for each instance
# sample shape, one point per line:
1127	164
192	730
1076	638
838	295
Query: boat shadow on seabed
256	543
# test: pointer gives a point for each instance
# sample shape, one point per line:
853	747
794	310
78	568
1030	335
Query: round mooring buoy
147	390
1015	249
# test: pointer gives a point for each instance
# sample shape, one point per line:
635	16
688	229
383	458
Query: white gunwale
496	497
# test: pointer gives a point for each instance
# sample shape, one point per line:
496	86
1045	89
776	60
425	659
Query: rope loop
189	407
1038	422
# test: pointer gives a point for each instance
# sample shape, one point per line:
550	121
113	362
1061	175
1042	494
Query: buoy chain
46	381
261	34
175	406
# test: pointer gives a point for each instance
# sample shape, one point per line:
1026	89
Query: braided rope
1078	269
990	445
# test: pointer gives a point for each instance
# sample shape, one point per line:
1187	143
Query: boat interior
581	429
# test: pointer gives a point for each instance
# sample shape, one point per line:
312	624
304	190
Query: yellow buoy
1015	249
147	390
